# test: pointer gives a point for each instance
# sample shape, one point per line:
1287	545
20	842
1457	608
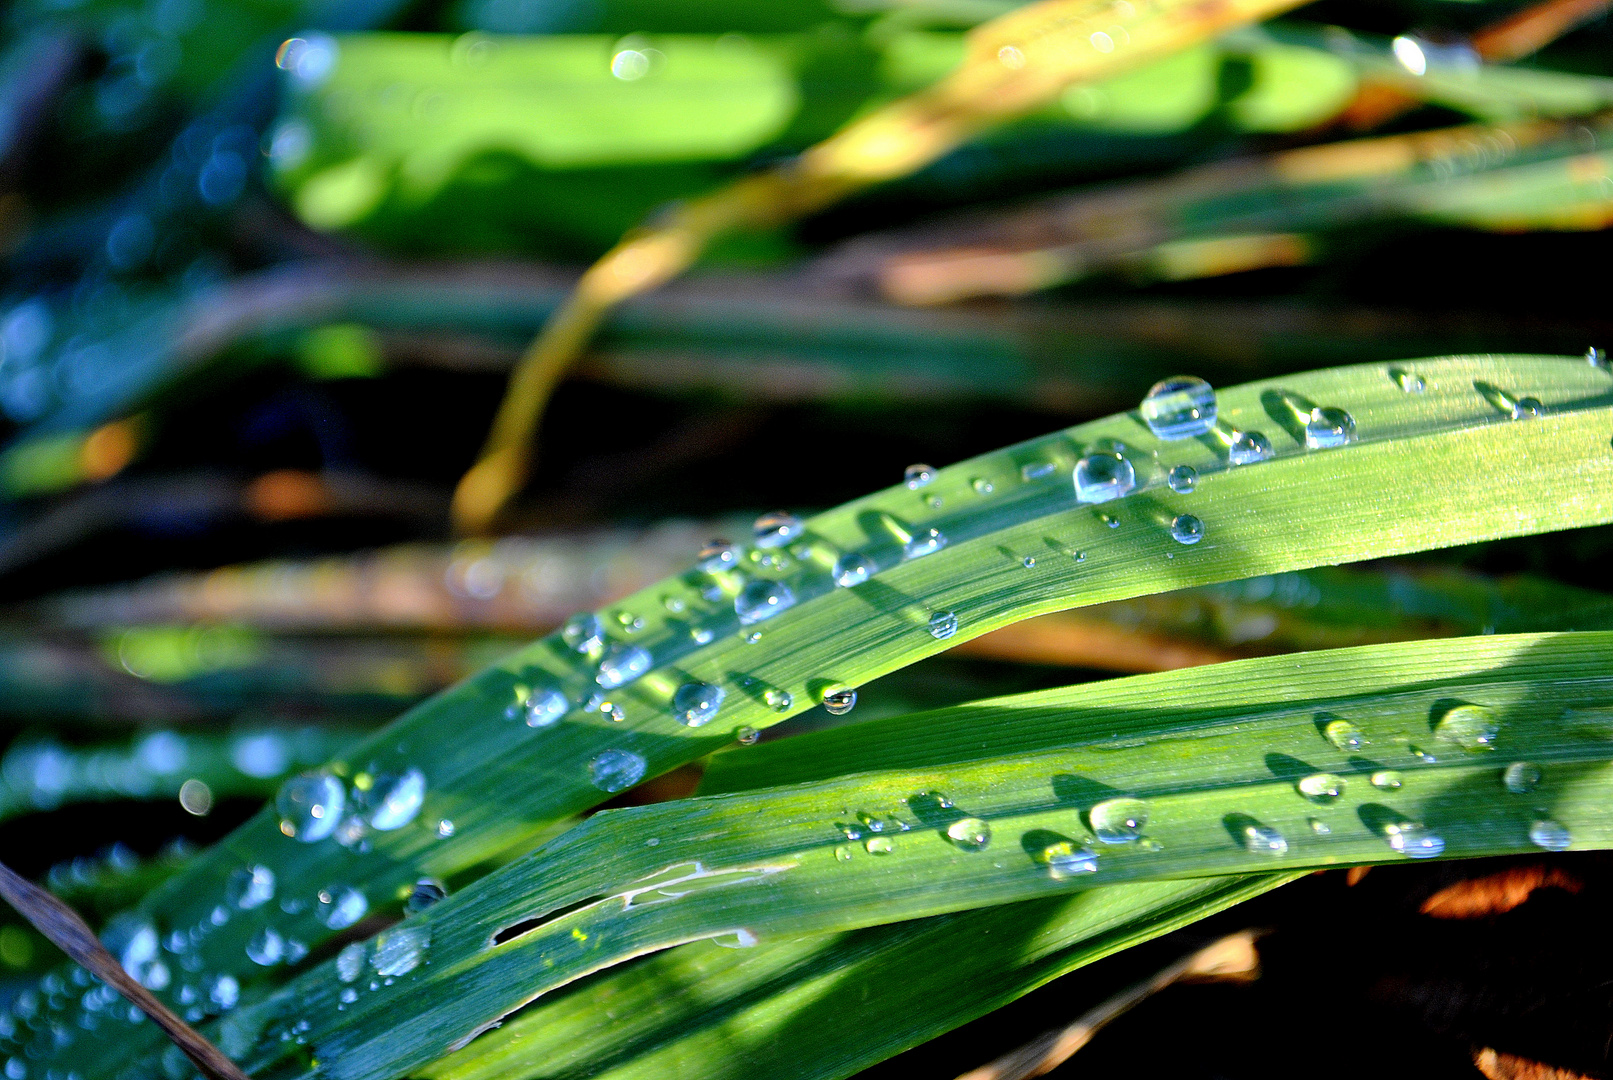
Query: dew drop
1180	407
1028	562
717	556
1264	840
839	702
1344	735
583	633
970	833
943	624
1387	779
1183	479
395	799
622	664
427	892
1187	529
843	853
350	962
1321	787
1318	826
1521	777
615	770
747	735
1527	408
777	529
1409	381
924	542
545	706
400	949
1118	821
249	887
1329	427
917	476
310	806
1035	470
1550	835
695	704
778	700
1065	858
1100	477
1597	358
852	569
266	947
982	486
341	906
879	845
753	637
1472	727
1414	840
1248	447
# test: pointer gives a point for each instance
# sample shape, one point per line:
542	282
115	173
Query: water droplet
1472	727
843	853
1521	777
1387	779
943	624
1100	477
249	887
970	833
1318	826
917	476
1551	835
1527	408
615	770
1028	562
1118	821
717	556
747	735
1344	735
1321	787
310	806
1179	408
879	845
1414	840
1421	755
924	542
266	947
753	637
1248	447
350	962
1187	529
778	700
583	633
982	486
426	893
1329	427
777	529
1065	858
445	828
1409	381
852	569
1183	479
396	799
622	663
1597	358
839	701
1035	470
1264	840
762	599
341	906
545	706
696	703
1149	844
399	949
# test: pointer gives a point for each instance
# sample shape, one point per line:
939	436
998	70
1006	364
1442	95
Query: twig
1233	956
68	932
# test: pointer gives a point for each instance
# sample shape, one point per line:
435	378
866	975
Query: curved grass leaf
1443	464
1466	747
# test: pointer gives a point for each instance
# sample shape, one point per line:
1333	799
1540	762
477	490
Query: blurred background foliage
267	265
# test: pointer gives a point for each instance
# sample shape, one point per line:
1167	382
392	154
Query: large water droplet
696	703
1551	835
622	663
746	735
1118	821
852	569
545	706
778	700
777	529
1264	840
1187	529
400	949
396	799
350	962
310	806
1344	735
1100	477
943	624
1321	787
1329	427
1521	777
249	887
427	892
615	770
1414	840
1248	447
1472	727
917	476
762	599
924	542
970	833
340	906
879	845
1179	408
1183	479
583	633
717	556
839	702
1065	858
1386	779
266	947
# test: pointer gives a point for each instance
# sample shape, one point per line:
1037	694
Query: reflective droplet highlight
1329	427
1101	477
1414	840
1344	735
917	476
583	633
249	887
1386	779
1521	777
615	770
779	700
879	845
1118	821
695	704
1183	479
840	702
747	735
1264	840
1187	529
852	569
982	486
622	664
545	706
1550	835
394	799
1065	858
943	624
1472	727
777	529
341	906
1180	407
970	833
1321	787
1409	381
924	542
762	599
717	556
310	806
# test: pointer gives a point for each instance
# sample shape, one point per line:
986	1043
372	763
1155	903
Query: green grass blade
707	1011
1353	756
1443	465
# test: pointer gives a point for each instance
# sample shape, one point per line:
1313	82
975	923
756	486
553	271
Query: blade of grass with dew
1012	64
487	766
705	1010
1368	755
